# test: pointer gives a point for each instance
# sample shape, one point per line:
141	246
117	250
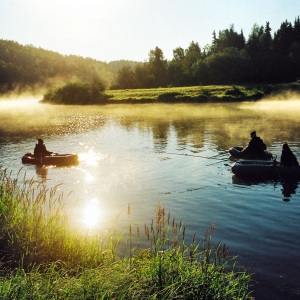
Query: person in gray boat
256	145
40	149
288	158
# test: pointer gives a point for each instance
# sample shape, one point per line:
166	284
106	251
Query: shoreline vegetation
95	93
265	56
42	257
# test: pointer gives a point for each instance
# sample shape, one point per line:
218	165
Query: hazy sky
129	29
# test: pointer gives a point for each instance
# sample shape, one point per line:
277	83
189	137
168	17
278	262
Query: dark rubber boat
53	159
237	152
264	169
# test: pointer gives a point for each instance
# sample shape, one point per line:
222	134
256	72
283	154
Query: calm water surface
175	154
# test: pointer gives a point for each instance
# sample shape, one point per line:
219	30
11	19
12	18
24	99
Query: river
176	154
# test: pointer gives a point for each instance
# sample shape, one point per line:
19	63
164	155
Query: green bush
77	93
235	91
205	92
168	97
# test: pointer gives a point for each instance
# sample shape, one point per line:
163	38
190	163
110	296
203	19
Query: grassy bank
203	94
42	257
83	94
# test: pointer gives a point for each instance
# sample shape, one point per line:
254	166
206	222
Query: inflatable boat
53	159
237	152
264	169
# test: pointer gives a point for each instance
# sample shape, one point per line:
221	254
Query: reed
43	258
34	229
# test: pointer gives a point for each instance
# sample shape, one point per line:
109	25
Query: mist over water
176	154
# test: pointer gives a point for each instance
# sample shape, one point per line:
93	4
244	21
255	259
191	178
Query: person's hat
253	133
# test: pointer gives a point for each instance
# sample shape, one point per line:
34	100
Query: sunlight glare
92	214
91	158
89	177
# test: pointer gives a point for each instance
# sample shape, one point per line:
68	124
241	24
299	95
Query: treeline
230	59
23	67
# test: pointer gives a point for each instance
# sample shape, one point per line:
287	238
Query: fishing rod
193	155
184	154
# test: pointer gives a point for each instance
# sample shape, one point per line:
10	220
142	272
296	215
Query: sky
109	30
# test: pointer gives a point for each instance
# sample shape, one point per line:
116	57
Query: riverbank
202	94
191	94
43	258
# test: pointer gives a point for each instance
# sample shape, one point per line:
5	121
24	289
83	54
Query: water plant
43	258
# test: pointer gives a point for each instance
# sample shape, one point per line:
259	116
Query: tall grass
43	258
34	229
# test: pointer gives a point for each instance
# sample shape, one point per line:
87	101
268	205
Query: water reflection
92	214
288	187
177	154
89	177
189	122
42	171
91	158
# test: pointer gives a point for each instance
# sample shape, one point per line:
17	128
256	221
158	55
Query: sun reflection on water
92	214
89	177
91	158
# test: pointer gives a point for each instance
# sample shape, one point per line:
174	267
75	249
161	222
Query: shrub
235	91
168	97
205	92
77	93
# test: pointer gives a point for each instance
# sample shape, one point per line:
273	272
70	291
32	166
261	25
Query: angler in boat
256	149
288	158
287	168
40	149
42	156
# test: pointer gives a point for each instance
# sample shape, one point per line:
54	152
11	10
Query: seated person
256	145
40	149
288	159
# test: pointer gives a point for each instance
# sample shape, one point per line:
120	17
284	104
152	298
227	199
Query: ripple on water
181	161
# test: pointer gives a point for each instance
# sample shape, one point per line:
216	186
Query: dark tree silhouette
230	59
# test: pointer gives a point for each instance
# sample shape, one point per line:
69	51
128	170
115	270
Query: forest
230	59
28	68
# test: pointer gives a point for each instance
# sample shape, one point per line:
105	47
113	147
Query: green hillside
28	67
